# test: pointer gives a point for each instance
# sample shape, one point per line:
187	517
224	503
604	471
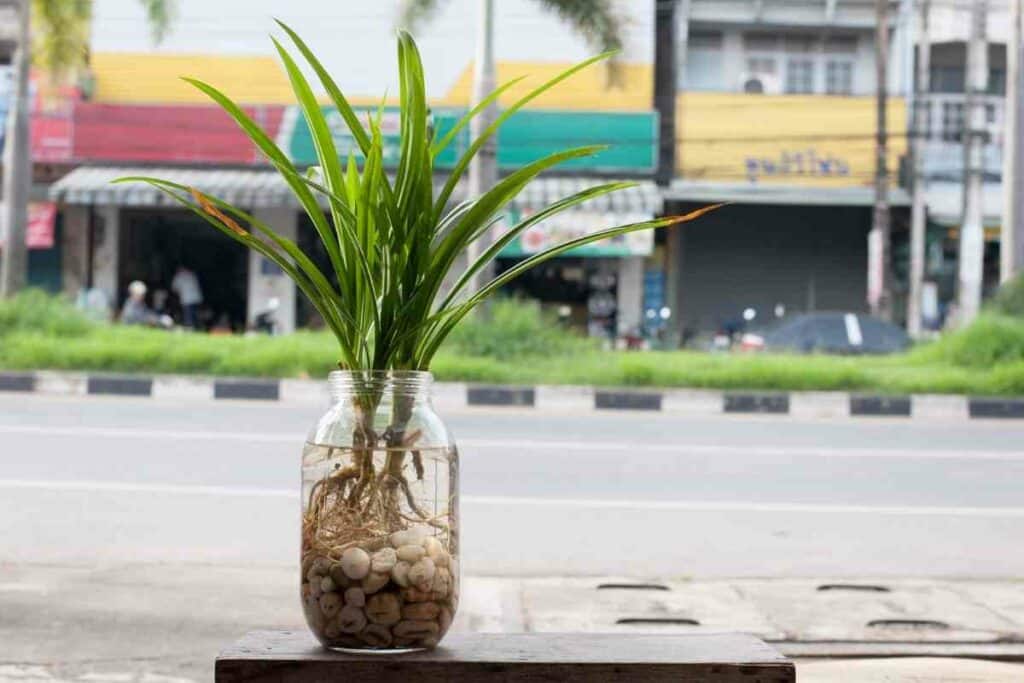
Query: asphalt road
112	480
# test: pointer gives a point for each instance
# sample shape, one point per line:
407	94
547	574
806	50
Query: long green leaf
463	163
550	253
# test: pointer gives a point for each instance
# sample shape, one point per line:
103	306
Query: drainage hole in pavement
657	621
633	586
908	623
858	587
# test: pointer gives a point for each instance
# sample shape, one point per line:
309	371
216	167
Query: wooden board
294	657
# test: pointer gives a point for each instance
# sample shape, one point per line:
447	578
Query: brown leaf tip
210	209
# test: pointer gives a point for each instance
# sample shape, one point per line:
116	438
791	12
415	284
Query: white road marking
510	501
682	449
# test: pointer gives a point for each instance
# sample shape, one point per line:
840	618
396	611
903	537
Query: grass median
517	345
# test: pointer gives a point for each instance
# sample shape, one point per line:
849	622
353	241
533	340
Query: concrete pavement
165	622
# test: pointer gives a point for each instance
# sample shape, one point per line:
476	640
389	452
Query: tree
595	20
60	42
60	48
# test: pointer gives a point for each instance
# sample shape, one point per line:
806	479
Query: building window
952	121
926	125
802	62
839	77
947	79
997	81
799	75
703	61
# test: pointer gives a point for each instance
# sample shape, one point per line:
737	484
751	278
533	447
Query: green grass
518	345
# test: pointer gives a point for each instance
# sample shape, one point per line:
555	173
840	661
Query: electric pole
483	169
666	65
918	212
972	231
1011	238
17	165
879	252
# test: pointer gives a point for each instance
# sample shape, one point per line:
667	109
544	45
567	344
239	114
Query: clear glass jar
380	542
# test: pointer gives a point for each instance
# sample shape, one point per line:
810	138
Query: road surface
111	480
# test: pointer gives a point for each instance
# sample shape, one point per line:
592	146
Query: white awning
262	188
248	188
782	195
643	198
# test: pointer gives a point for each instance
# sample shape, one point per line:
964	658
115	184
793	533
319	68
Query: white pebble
436	552
422	573
400	574
411	553
383	560
355	562
442	582
327	584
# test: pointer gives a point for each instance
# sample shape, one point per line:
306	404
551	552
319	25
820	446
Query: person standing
186	285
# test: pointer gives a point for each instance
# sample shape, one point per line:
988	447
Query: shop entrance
580	289
154	243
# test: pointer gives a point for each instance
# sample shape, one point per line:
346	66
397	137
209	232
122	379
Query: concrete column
75	249
106	245
630	288
266	280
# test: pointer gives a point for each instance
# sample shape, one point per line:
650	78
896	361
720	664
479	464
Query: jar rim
382	374
407	382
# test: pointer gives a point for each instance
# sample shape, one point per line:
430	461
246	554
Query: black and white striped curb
803	404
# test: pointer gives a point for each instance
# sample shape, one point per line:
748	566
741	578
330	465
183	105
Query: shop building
133	116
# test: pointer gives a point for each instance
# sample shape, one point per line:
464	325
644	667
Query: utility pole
17	165
879	251
918	212
666	64
972	232
1011	238
483	170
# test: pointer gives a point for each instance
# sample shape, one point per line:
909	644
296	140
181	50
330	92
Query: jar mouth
360	382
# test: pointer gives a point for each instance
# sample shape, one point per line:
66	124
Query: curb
682	402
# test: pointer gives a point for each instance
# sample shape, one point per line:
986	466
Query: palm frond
61	31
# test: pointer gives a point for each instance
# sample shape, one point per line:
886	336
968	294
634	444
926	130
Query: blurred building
946	114
135	116
776	115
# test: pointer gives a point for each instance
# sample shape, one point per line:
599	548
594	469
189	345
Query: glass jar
380	541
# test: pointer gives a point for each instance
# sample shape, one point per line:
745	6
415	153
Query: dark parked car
846	333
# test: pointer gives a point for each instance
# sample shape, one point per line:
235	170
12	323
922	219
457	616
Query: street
89	480
140	536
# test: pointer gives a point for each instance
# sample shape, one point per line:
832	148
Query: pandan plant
391	242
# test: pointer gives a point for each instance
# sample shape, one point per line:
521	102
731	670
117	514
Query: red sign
182	134
39	232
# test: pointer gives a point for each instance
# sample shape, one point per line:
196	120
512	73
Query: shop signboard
528	135
296	140
41	226
569	225
42	219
